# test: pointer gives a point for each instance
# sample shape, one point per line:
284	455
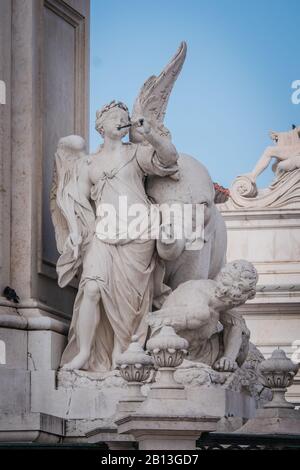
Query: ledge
34	323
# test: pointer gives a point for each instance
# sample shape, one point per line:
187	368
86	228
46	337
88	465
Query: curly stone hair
236	282
107	107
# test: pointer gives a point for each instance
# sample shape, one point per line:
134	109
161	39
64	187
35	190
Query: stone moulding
33	323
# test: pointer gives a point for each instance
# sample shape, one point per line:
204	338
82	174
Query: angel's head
236	283
110	117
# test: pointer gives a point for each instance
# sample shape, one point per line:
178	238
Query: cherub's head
236	283
110	117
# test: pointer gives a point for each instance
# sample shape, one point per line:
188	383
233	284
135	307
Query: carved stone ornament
278	372
167	348
135	364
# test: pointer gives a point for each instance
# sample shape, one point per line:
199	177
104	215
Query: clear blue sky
236	81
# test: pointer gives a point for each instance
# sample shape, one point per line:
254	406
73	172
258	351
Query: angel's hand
143	125
225	364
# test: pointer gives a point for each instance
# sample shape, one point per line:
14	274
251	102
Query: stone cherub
201	312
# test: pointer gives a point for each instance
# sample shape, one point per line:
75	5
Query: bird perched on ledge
11	295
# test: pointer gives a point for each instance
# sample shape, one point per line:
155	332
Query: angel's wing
71	211
59	222
154	95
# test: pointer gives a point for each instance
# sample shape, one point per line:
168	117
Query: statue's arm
272	151
234	329
180	317
165	149
232	337
262	163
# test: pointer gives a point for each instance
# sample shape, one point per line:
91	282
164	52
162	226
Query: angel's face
114	118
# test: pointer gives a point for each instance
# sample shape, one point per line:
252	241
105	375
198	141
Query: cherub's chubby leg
88	319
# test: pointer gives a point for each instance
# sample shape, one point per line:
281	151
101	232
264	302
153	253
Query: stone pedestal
28	346
112	438
31	427
166	420
273	421
165	432
277	416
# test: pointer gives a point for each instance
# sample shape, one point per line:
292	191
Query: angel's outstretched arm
165	149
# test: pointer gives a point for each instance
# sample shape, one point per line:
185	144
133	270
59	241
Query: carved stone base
273	421
31	427
87	402
169	432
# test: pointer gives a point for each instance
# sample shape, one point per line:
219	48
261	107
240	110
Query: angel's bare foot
78	362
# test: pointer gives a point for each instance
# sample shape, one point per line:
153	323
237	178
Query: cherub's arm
263	162
232	337
234	328
272	151
181	318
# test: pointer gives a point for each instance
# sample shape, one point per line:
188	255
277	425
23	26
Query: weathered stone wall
45	63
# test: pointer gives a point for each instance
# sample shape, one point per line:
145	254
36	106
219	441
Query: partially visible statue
284	191
202	311
286	151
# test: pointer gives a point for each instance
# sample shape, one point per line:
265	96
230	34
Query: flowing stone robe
127	270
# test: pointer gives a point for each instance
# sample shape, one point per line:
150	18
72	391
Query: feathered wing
59	222
72	214
154	95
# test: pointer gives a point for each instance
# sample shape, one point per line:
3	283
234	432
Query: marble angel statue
120	275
